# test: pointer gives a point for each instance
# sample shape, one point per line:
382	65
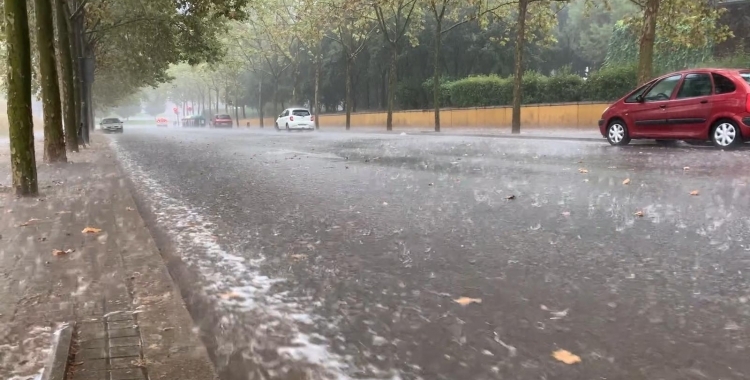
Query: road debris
566	357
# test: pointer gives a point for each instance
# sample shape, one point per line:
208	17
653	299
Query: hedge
491	90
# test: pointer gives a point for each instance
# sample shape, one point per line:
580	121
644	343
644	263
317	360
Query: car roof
705	70
298	109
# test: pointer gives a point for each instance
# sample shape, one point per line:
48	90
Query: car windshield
395	190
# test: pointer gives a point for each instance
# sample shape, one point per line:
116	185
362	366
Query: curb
522	137
57	367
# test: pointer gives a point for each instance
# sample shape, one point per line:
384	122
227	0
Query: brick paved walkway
131	322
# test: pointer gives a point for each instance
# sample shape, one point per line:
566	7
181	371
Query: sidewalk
111	284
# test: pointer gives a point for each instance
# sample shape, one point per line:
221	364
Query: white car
296	118
111	124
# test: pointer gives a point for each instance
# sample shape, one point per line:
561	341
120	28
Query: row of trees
124	44
259	52
378	53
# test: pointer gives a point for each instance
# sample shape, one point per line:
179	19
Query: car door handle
704	101
663	106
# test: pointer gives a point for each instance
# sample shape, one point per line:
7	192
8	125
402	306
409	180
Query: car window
285	113
663	89
633	98
722	84
695	85
301	113
107	121
223	117
745	76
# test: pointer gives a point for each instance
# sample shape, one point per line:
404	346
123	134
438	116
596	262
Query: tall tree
395	19
352	31
65	64
54	137
688	23
540	17
458	13
22	158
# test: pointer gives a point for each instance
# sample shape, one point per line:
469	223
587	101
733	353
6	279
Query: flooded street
386	256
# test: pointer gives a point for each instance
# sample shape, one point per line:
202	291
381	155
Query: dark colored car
222	121
693	105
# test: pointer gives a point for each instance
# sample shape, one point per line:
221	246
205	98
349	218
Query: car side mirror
639	99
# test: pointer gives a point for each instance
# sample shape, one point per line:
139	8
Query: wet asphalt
448	257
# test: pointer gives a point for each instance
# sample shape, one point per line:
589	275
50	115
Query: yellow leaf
57	252
28	222
299	256
695	192
566	357
686	168
639	214
583	171
91	230
626	181
229	296
463	301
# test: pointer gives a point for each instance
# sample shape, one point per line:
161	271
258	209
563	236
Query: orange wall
539	116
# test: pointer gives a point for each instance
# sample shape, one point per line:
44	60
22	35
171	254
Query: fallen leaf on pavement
695	192
463	301
566	213
57	252
62	212
229	296
299	256
626	181
28	222
566	357
583	171
129	209
638	213
686	168
510	197
91	230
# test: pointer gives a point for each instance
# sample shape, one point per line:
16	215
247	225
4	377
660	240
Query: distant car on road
162	122
222	120
692	105
111	124
295	118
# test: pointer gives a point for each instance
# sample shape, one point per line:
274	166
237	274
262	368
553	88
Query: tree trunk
209	103
295	84
348	92
260	101
391	87
217	100
318	68
237	109
518	76
54	137
66	74
436	74
648	37
77	91
22	157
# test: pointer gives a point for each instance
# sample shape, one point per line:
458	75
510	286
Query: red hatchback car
222	120
692	105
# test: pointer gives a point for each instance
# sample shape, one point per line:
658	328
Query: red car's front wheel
617	133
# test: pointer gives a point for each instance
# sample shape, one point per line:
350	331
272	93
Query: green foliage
610	83
668	56
492	90
568	87
481	91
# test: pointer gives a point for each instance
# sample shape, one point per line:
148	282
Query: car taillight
291	118
312	118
